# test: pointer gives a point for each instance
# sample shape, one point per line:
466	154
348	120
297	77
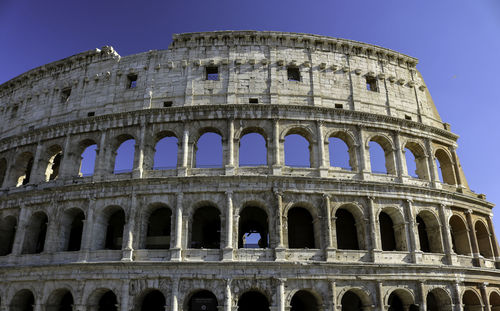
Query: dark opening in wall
351	302
212	73
153	301
371	84
253	300
293	73
300	228
253	229
158	233
347	236
303	301
203	300
387	232
108	302
206	227
114	230
167	104
253	100
422	235
339	106
131	81
65	94
75	232
407	117
13	112
91	114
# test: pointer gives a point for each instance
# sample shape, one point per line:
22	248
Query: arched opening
54	154
253	231
253	150
3	170
471	301
429	233
401	300
253	301
124	159
7	234
416	161
297	151
495	301
381	156
203	300
153	301
340	155
108	302
166	152
114	230
158	232
351	302
34	239
459	236
438	300
347	235
87	159
206	228
72	229
60	300
483	240
304	301
209	150
21	171
446	173
387	235
300	228
23	300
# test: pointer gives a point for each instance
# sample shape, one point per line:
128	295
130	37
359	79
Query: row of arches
355	299
210	147
255	228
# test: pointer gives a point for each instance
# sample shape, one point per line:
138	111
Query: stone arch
151	299
102	299
87	151
21	169
199	156
446	166
304	300
199	298
8	226
164	158
123	162
495	300
483	239
23	300
3	171
471	300
459	235
303	231
429	232
307	135
259	150
398	298
387	146
252	300
253	220
358	227
349	141
354	299
420	155
157	226
71	229
109	227
206	226
392	229
53	157
60	300
439	299
36	231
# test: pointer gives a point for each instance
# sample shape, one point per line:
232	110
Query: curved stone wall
174	237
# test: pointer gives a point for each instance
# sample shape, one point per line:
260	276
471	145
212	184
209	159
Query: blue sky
457	43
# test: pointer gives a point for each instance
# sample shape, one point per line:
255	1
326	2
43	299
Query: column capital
327	196
409	201
468	212
229	193
371	198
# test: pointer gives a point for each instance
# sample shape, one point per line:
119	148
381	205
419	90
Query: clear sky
456	41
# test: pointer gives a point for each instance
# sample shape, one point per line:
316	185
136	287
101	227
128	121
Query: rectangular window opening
339	106
253	100
293	74
13	113
212	73
167	104
91	114
371	84
131	81
407	117
65	94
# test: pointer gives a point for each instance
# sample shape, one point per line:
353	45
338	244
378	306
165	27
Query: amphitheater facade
175	237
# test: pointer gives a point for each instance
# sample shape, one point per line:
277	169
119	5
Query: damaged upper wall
250	66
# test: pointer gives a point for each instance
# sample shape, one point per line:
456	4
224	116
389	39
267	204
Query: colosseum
170	231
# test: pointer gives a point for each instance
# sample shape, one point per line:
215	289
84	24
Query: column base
330	254
376	254
227	254
175	254
230	170
137	173
276	170
84	256
323	172
416	256
182	171
280	254
127	255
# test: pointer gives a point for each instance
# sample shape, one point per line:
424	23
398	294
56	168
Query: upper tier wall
333	73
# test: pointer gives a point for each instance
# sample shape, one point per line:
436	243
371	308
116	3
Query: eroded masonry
79	230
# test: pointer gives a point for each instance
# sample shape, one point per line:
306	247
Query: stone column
376	246
446	234
401	169
227	296
472	237
280	248
88	224
458	302
281	295
228	249
380	296
100	166
124	297
333	295
37	174
66	161
484	296
363	154
138	168
230	148
276	148
182	170
456	167
494	241
423	297
17	247
128	239
412	232
431	160
330	244
176	250
322	164
175	294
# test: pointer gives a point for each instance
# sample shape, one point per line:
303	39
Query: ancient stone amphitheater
182	235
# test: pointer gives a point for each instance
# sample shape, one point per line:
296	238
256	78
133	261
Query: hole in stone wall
91	114
7	234
339	106
339	153
253	228
300	228
34	240
371	84
293	73
65	94
131	81
297	151
253	100
209	150
347	235
387	235
87	162
124	160
158	234
114	230
206	228
212	73
167	104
